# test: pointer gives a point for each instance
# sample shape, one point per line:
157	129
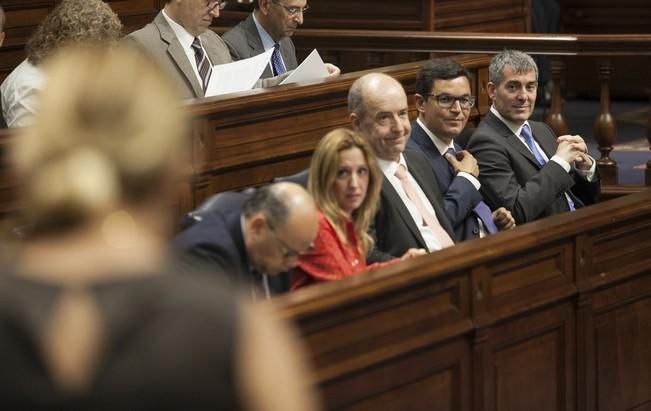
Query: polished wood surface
553	315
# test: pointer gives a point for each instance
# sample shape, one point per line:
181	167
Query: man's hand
583	161
503	219
413	252
570	148
332	70
464	162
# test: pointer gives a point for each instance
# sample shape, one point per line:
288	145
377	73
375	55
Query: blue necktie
528	138
277	61
481	210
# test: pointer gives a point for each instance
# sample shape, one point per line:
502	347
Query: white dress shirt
389	169
20	92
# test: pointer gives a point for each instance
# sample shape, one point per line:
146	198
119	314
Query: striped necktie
203	64
277	61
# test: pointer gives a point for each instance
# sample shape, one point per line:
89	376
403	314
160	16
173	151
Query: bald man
258	235
411	213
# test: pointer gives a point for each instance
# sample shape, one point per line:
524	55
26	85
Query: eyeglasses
220	4
287	251
292	11
447	101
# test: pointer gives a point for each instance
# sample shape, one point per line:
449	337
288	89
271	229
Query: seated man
411	213
179	40
444	101
264	234
524	166
271	25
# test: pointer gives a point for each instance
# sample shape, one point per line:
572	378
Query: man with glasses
179	39
444	102
524	166
271	25
253	235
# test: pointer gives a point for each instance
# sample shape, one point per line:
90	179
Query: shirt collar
184	37
441	146
514	127
389	167
267	41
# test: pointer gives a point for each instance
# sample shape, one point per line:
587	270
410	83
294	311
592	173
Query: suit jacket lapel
403	212
425	183
177	53
440	165
255	42
511	138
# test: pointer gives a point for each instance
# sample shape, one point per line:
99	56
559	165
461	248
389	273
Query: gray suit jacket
244	41
511	177
159	41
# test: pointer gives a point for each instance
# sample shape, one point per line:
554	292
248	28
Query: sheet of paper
237	76
311	68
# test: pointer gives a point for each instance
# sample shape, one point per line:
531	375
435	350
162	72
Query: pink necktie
429	219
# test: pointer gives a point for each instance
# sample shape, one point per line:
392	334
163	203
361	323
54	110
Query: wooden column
604	127
555	119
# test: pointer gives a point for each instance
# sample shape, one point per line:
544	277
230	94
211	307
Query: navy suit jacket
459	195
394	229
511	177
216	242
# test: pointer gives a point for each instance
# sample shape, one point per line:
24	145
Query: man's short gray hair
519	62
269	201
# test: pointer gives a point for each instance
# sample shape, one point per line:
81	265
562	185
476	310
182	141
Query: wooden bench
553	315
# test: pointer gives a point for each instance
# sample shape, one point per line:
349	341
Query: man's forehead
461	81
294	3
510	73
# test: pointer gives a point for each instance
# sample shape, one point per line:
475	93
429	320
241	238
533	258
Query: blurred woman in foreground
92	312
345	181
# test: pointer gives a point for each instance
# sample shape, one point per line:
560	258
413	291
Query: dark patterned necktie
277	61
203	65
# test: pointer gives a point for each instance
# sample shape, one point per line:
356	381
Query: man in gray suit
179	38
271	25
523	165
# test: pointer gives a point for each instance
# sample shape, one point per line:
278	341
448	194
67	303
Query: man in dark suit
411	212
253	235
179	34
443	101
271	25
523	165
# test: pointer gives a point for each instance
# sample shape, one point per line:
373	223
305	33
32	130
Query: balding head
379	111
280	222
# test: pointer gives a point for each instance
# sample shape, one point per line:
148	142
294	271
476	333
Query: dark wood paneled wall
553	315
602	17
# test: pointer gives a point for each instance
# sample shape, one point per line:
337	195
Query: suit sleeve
459	200
500	187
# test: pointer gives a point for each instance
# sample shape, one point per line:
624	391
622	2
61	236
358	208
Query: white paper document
239	75
311	68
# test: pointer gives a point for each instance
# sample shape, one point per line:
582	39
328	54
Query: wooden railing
553	315
605	48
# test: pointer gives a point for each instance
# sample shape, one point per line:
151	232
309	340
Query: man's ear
354	121
420	103
264	6
491	90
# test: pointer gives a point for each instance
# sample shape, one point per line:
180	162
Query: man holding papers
270	26
180	41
